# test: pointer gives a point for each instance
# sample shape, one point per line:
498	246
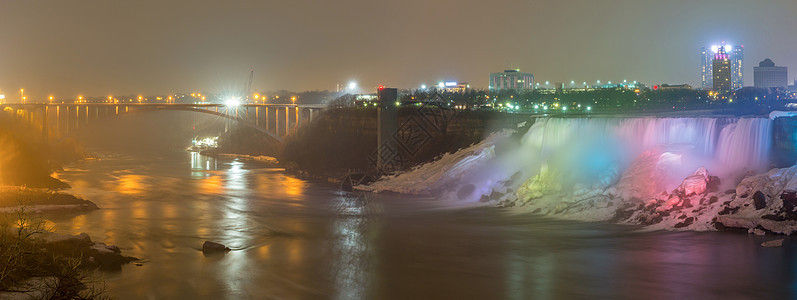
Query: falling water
732	144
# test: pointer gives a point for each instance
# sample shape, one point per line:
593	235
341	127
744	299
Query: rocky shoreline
760	204
40	264
54	265
14	198
93	254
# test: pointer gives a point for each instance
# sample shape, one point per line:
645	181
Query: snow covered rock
63	240
781	227
695	184
445	172
547	181
774	182
644	177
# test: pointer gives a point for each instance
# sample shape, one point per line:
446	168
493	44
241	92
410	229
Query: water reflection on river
294	239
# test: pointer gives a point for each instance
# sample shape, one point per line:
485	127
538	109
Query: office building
767	75
511	80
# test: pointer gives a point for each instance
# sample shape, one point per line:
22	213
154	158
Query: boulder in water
772	243
108	257
211	248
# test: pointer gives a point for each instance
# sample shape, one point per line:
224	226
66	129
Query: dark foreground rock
49	265
213	248
32	288
94	255
759	200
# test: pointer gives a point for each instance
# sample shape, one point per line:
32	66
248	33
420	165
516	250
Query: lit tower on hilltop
721	69
736	56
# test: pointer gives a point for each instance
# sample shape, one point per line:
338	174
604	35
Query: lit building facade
737	67
721	72
511	80
767	75
736	57
453	87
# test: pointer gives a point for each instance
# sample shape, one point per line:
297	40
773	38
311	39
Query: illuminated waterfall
720	144
593	154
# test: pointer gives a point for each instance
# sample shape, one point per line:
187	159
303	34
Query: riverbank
38	264
12	198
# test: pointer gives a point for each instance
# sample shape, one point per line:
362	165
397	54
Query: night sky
104	47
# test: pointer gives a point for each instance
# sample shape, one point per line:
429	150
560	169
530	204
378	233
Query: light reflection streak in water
236	223
200	164
132	184
293	187
351	249
139	210
525	276
79	223
286	187
236	177
211	185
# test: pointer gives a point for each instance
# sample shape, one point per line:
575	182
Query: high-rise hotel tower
721	71
736	57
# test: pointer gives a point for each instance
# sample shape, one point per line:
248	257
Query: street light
352	85
232	102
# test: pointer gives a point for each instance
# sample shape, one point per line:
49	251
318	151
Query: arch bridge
59	119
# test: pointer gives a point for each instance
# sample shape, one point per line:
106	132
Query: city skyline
97	48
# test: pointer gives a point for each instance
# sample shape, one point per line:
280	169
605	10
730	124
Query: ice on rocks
695	184
661	176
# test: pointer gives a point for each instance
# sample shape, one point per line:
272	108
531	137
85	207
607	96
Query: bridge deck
206	105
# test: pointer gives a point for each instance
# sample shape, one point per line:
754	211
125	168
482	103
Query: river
297	239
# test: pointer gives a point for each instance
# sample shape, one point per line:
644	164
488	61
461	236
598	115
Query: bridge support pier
387	125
